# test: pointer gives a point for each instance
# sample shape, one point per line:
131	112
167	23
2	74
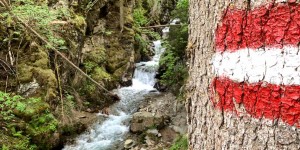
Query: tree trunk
227	111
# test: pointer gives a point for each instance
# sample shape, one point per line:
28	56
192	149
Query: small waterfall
166	30
145	71
112	131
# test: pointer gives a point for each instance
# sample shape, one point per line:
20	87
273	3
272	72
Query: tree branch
158	26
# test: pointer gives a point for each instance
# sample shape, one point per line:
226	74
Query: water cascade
110	132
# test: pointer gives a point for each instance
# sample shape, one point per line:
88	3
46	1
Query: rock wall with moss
97	36
43	99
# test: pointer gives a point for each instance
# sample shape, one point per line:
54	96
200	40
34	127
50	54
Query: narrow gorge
112	131
71	67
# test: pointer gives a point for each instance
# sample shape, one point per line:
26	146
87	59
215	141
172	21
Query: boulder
149	141
168	134
152	132
178	129
152	137
160	87
129	143
142	121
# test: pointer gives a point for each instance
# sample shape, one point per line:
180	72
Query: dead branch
6	66
91	6
59	87
158	26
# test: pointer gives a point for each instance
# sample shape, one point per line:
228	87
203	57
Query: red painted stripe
259	100
271	25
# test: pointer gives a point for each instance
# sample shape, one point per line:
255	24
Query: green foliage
173	61
142	43
178	35
139	16
180	144
8	104
142	17
86	103
16	133
21	106
69	104
43	124
88	88
107	33
23	144
153	35
100	74
70	97
18	142
78	21
40	18
153	9
175	70
89	66
26	118
4	147
181	10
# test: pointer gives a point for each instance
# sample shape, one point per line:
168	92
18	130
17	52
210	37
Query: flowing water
105	135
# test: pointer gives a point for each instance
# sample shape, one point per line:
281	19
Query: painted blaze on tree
257	62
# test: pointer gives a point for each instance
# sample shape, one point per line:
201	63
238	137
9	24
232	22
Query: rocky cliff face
107	50
95	36
98	38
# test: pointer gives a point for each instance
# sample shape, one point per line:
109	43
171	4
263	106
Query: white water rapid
112	131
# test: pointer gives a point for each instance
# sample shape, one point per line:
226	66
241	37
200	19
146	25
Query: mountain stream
106	135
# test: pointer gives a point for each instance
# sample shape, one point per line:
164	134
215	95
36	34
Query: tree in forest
173	70
244	83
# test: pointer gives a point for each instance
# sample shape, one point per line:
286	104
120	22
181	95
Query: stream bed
108	134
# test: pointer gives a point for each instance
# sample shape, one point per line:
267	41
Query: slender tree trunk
216	121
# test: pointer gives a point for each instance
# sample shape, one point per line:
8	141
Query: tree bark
212	128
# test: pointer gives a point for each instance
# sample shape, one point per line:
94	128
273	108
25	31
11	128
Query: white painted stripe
272	65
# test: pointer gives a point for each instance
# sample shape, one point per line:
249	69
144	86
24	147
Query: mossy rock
128	20
79	22
116	59
24	73
73	129
46	77
129	34
36	66
120	72
114	66
97	55
100	74
40	59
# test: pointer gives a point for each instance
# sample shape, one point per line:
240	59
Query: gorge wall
43	99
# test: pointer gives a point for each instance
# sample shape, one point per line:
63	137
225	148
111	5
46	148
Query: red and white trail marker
257	62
